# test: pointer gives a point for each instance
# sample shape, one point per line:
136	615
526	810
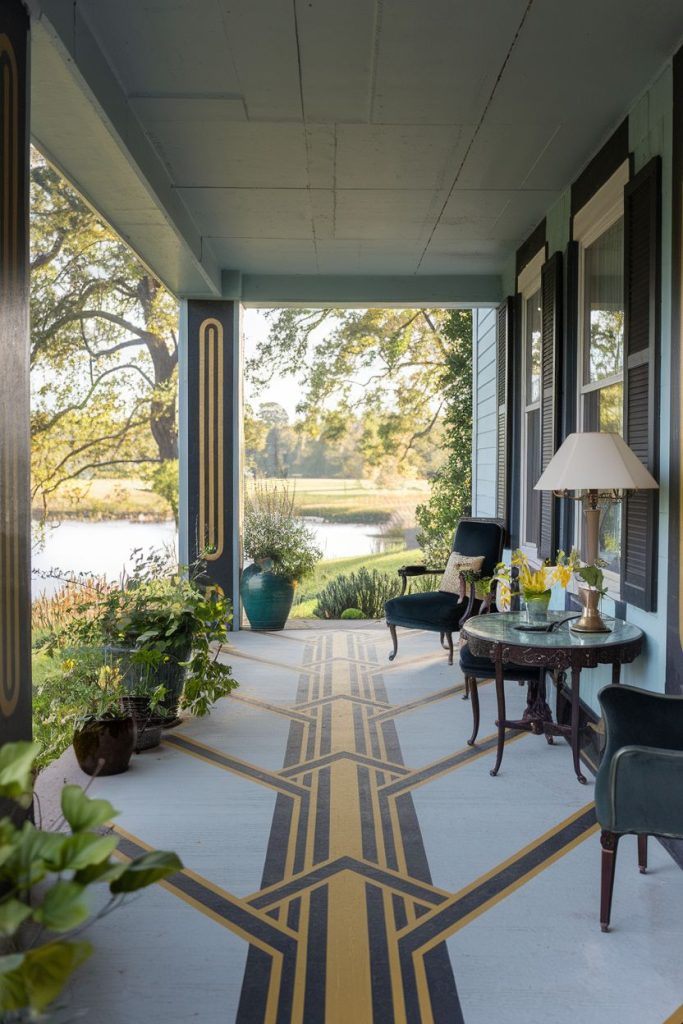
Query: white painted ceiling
352	137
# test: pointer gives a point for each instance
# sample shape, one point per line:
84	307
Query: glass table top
504	627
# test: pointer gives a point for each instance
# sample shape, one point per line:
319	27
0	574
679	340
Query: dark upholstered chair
474	667
437	610
639	785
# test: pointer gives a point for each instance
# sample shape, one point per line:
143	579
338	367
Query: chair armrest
406	572
641	790
641	718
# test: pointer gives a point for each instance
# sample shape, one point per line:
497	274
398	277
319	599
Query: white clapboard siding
484	412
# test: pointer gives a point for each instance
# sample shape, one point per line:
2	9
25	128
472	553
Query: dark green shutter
642	256
551	386
504	315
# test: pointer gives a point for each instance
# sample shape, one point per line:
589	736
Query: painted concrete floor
349	860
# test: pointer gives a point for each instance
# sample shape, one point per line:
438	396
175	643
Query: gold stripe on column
211	446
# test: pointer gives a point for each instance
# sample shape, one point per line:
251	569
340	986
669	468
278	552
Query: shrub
276	536
352	613
367	591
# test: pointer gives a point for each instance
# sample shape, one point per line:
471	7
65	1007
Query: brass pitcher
590	621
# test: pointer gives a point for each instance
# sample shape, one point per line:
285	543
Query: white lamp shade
595	461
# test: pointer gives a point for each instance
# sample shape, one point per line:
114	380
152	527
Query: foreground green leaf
81	812
13	995
45	970
86	848
12	914
145	870
16	778
63	907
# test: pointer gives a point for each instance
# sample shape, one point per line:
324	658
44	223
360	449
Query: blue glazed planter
267	597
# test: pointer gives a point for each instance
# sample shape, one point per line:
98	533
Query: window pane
533	471
603	409
609	546
604	305
533	349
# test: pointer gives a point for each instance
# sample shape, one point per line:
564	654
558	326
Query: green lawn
305	600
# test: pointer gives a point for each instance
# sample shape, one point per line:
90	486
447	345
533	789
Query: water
104	548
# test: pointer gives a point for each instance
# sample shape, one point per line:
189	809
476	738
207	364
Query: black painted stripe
380	970
449	916
452	761
321	842
341	755
316	956
367	817
239	767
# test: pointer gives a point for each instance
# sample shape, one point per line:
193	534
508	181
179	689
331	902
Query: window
532	418
529	287
601	376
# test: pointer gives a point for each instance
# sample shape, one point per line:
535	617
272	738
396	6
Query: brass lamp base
591	620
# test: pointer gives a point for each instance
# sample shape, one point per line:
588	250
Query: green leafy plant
593	576
162	616
275	536
44	880
352	613
365	590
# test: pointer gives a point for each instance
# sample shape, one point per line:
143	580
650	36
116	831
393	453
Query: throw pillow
452	581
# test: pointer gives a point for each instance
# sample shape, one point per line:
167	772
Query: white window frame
528	283
594	218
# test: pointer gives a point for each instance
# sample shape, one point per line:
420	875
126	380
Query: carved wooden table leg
576	679
500	697
616	673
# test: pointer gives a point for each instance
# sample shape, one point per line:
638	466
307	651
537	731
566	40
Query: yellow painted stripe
676	1017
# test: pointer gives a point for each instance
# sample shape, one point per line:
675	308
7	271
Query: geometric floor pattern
349	860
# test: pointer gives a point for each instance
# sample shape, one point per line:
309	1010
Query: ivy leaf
45	970
13	995
16	778
86	848
34	854
105	871
81	812
145	870
12	913
63	907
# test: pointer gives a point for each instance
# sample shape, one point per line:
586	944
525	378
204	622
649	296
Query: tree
382	366
451	496
104	349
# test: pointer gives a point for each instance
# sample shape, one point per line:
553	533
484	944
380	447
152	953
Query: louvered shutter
642	255
551	386
503	401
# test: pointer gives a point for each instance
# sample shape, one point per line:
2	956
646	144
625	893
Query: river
104	548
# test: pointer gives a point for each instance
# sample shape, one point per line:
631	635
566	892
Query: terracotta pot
105	746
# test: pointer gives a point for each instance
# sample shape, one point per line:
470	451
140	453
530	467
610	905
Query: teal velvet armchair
639	785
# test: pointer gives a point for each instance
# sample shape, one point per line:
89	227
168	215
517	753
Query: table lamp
601	468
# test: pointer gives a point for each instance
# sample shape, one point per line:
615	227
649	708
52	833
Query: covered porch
347	855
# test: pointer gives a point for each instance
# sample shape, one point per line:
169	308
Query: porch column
210	417
15	496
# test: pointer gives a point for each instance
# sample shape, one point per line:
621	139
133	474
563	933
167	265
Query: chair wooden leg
608	842
474	693
466	694
449	639
642	853
394	639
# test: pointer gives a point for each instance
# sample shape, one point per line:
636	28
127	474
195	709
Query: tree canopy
103	345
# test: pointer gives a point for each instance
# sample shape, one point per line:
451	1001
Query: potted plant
164	628
104	732
283	550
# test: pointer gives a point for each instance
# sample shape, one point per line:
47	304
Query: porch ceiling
335	140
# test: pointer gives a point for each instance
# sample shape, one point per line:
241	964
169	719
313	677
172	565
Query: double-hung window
529	285
599	230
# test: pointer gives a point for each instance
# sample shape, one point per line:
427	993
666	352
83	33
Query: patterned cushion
452	581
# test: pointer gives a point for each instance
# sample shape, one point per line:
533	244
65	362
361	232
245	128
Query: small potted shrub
104	732
283	550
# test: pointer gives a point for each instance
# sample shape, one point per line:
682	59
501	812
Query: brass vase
591	620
